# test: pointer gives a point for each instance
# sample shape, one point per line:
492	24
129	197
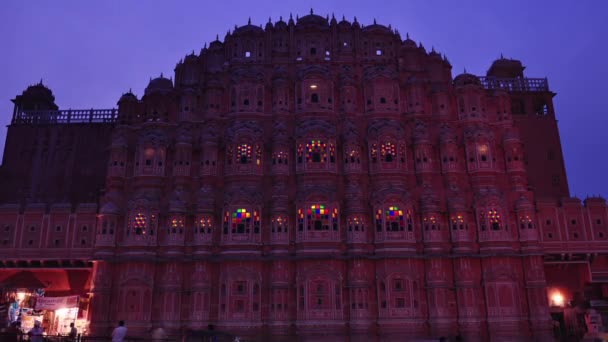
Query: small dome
466	79
377	28
248	29
344	24
128	97
36	97
408	42
159	84
313	20
280	25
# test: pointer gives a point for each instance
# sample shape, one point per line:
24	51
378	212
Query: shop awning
22	280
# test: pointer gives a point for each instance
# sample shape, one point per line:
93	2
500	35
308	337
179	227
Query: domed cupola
344	24
377	28
312	21
466	79
159	85
408	42
35	97
248	29
280	25
127	97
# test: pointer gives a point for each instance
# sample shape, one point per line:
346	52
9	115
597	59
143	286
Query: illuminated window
279	224
204	225
494	219
355	224
241	221
140	223
483	152
388	152
176	225
430	223
352	155
316	151
526	222
319	217
394	219
374	152
458	222
243	152
279	158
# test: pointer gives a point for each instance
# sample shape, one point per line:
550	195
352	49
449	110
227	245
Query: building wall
313	177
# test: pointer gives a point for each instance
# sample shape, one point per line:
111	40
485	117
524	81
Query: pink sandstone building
314	178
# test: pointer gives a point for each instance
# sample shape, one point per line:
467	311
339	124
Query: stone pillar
100	319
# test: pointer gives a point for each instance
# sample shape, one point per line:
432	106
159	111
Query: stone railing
515	84
65	116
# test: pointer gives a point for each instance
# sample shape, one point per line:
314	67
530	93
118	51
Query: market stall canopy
22	280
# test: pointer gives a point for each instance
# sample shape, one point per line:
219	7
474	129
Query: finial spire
355	19
374	21
311	11
280	18
217	37
249	21
161	74
501	57
205	46
130	91
40	81
343	17
407	35
269	20
465	70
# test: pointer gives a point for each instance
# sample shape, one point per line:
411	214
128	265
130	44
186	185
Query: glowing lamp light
557	299
313	86
21	296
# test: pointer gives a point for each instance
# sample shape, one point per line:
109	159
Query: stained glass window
258	155
388	152
316	151
319	217
241	221
394	219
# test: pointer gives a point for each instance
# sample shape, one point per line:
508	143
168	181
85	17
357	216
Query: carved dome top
377	28
280	25
159	84
465	79
249	28
128	97
313	20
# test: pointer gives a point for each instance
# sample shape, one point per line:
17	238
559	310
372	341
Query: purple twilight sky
90	52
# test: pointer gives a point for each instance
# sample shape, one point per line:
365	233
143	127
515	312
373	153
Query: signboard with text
55	303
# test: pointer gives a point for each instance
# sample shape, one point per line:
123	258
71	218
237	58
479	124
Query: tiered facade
316	178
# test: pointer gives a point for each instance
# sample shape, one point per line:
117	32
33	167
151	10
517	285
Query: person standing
36	332
73	332
120	332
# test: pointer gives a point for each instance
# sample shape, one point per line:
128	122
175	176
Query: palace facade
314	177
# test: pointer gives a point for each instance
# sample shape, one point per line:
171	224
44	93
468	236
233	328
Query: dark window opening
314	98
382	100
313	51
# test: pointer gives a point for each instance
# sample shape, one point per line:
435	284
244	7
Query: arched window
279	224
430	223
490	219
393	219
176	225
204	225
316	151
458	222
318	217
314	98
525	222
356	224
388	151
140	224
244	153
241	221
